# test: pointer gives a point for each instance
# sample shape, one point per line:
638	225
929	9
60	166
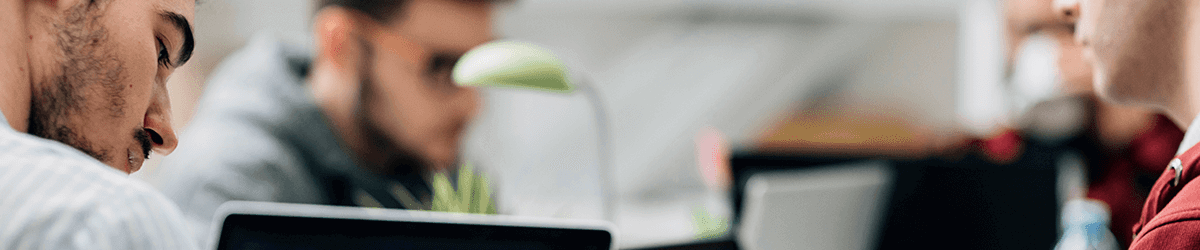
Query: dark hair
380	10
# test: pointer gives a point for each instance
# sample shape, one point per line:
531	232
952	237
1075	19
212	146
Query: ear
335	76
336	40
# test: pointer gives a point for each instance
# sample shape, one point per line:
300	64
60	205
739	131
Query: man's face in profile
409	101
1134	46
98	70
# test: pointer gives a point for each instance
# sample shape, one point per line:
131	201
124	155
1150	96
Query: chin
1106	95
122	166
1105	89
442	159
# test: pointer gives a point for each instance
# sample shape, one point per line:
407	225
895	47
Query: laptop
834	207
243	225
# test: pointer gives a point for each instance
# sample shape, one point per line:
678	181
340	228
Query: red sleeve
1176	235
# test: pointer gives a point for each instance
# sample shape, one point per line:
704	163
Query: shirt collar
1191	137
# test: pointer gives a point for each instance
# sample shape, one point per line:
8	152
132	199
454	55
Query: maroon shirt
1119	174
1171	216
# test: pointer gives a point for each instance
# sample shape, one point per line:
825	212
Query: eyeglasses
437	67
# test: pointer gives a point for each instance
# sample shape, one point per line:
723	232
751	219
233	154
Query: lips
135	161
141	151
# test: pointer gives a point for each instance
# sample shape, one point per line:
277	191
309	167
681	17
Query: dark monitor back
966	203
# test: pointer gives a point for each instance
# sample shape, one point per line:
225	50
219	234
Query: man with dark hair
1144	53
83	101
364	122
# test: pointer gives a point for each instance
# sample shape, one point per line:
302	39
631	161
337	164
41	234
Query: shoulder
265	66
238	158
232	142
235	159
243	118
55	197
1177	226
232	160
1179	234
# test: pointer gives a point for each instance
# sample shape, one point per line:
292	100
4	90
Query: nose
157	123
1067	10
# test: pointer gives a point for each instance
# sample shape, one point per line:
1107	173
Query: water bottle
1085	226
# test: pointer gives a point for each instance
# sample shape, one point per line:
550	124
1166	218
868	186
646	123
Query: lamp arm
604	152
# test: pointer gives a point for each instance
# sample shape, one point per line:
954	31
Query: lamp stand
603	137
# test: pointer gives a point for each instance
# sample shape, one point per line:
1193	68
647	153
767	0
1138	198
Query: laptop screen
268	232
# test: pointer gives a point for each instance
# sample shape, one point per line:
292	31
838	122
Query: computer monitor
266	226
963	202
835	207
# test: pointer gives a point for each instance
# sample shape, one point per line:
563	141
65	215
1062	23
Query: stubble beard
397	158
85	62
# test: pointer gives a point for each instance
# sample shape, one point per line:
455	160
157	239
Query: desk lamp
514	64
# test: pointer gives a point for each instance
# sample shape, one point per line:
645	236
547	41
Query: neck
1184	105
14	65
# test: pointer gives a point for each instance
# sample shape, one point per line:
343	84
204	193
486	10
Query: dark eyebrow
184	27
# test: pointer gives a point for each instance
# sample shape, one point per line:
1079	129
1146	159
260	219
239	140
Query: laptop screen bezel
304	219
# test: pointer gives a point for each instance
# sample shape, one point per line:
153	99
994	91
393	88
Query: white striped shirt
53	196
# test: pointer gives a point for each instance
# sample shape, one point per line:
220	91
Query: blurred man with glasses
362	122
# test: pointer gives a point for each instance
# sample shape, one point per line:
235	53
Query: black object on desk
967	203
260	225
724	244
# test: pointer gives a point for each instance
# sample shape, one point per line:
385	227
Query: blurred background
909	79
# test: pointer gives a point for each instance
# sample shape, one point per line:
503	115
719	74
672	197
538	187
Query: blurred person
1143	53
364	122
1125	148
83	102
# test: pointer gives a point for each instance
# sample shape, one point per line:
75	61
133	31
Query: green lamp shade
512	64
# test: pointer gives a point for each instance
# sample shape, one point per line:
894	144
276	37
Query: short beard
80	37
397	159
